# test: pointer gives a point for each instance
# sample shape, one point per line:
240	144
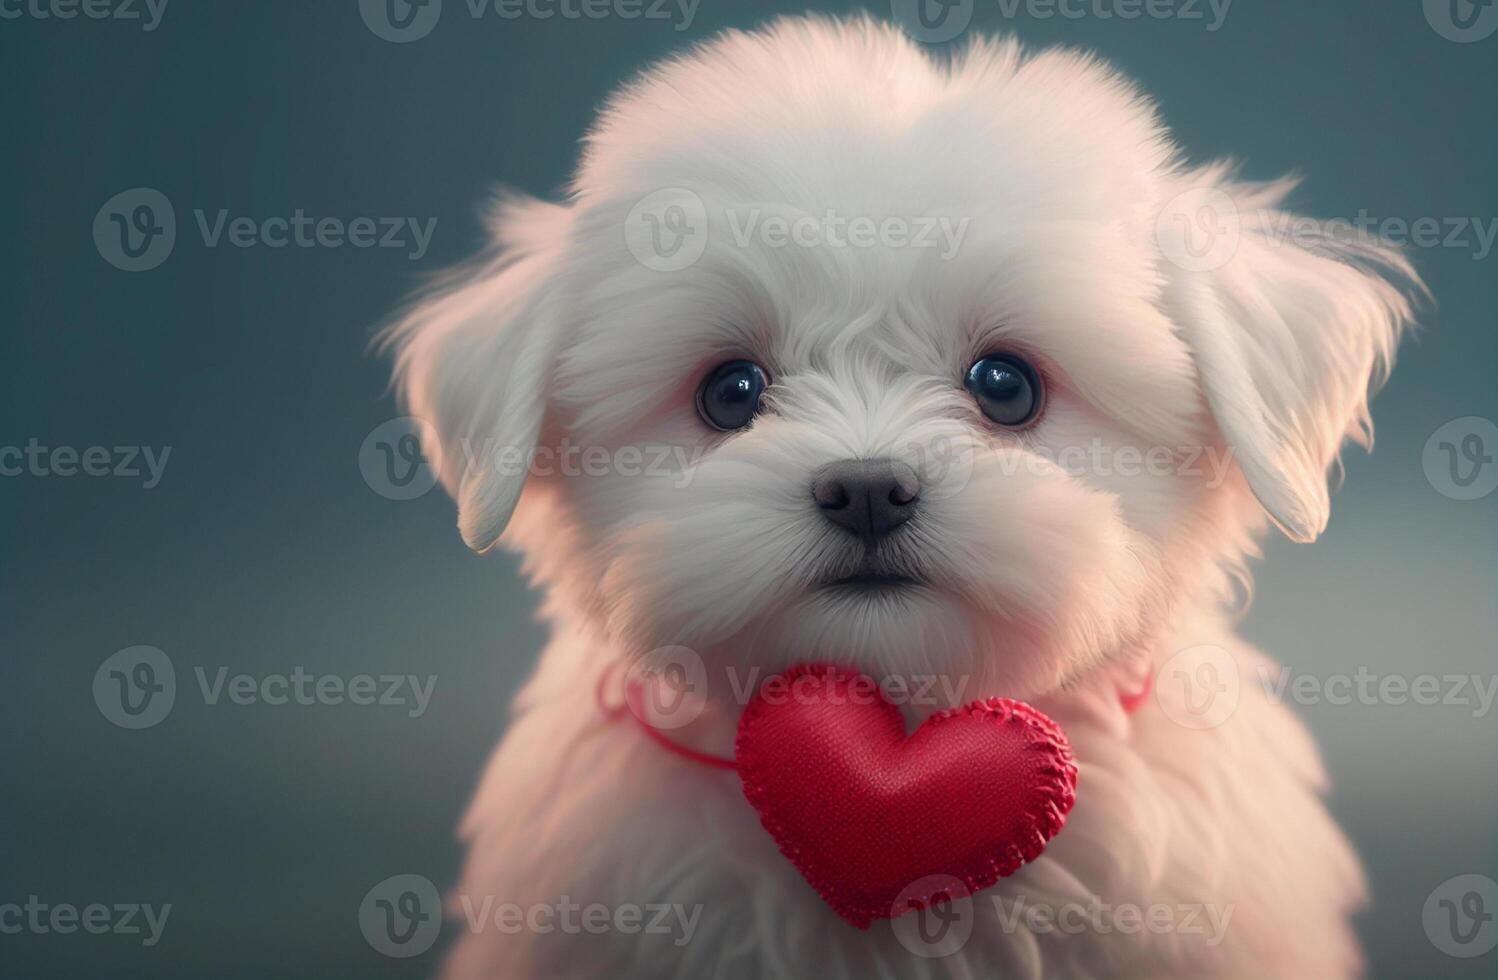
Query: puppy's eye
1006	388
729	396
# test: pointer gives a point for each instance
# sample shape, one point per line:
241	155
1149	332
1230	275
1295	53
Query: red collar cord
631	706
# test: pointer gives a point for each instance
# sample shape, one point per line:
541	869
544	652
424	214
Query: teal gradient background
262	548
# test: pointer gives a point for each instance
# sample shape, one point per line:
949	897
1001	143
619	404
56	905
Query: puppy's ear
1292	324
473	360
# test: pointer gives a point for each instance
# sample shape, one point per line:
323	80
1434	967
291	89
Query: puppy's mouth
870	578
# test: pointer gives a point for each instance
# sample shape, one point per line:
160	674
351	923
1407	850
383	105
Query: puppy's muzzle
867	497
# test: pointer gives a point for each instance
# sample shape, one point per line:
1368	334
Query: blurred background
263	539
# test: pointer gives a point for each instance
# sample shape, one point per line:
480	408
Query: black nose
870	497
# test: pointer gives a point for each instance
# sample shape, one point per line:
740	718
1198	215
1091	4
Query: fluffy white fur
1042	583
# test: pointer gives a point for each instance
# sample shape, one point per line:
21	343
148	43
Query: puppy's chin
929	649
882	629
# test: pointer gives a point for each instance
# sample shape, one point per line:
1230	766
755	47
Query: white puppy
1079	374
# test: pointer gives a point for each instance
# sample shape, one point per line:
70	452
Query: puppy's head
837	352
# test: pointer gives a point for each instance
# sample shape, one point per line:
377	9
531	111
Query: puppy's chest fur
1190	853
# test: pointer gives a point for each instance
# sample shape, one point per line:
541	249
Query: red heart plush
864	811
